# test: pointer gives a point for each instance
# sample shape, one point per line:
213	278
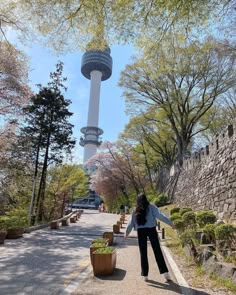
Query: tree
64	182
119	166
153	142
48	132
182	80
70	24
14	92
14	95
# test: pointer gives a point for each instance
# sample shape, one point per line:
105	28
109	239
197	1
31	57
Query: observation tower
96	66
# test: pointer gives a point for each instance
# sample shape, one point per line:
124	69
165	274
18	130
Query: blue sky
112	117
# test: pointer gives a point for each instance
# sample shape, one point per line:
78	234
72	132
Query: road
45	261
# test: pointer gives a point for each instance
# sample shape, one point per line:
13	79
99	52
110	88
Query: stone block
227	270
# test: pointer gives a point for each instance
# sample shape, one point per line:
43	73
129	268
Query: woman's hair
141	209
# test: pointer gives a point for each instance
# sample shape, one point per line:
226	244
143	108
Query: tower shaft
96	66
93	111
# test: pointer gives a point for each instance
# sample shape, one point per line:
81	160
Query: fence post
163	233
158	225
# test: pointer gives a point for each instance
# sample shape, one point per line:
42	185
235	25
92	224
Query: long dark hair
141	209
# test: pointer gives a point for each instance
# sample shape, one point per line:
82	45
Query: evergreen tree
48	133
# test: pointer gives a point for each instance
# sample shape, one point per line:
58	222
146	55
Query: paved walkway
57	262
126	278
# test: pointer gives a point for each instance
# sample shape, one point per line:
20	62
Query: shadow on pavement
117	275
172	286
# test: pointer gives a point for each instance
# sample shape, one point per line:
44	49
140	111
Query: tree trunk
162	179
42	186
63	204
32	202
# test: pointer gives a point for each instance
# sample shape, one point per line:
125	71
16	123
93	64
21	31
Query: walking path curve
57	262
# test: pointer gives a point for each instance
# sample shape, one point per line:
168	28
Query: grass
220	282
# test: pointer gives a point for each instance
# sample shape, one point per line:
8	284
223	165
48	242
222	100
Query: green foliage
179	224
184	210
188	237
205	217
225	232
99	240
175	216
174	210
3	222
106	250
209	231
48	133
168	83
189	219
152	198
161	200
98	245
17	217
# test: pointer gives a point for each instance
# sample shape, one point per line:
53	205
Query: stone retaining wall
208	178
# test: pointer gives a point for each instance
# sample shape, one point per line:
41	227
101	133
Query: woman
143	219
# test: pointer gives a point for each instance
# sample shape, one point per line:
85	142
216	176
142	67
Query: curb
184	286
73	285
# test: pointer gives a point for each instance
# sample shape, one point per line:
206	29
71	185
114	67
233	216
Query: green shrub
184	210
3	222
161	200
225	232
99	240
174	210
98	245
106	250
205	217
152	198
16	217
189	219
188	237
175	216
179	224
209	231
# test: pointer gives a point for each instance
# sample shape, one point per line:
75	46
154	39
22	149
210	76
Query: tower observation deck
96	66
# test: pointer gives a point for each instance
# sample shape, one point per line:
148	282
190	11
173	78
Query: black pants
151	233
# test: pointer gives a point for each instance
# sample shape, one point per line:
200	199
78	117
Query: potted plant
119	223
3	231
73	219
15	227
65	222
108	235
104	261
116	229
100	240
54	224
94	247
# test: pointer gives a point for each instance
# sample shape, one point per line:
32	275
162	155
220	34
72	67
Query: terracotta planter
15	233
93	249
116	229
72	220
109	236
104	264
3	234
54	224
64	222
119	223
122	220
